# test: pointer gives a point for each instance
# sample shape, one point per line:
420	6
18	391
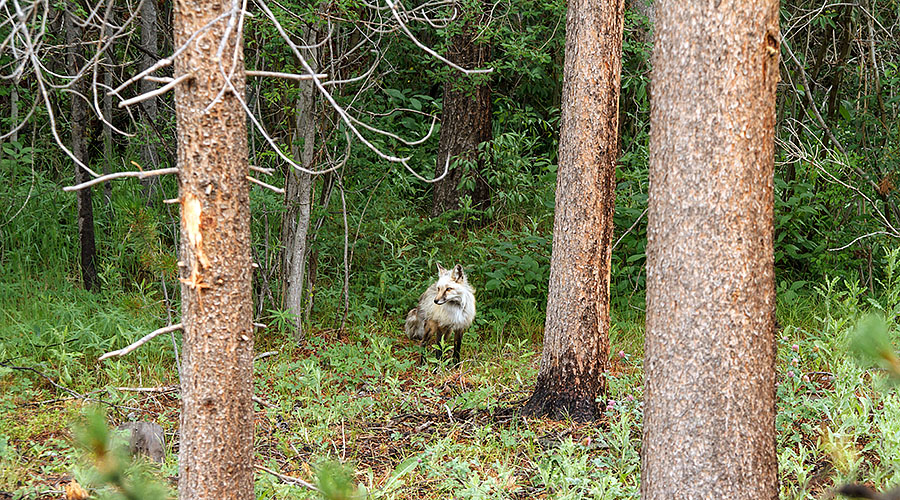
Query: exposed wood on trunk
80	130
709	394
216	425
465	123
576	336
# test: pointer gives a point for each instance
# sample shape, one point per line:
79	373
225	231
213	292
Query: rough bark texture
216	425
298	193
465	123
709	409
576	335
80	129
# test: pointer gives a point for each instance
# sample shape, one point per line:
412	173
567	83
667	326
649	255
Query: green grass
403	431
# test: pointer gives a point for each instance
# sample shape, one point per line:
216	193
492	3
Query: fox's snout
443	296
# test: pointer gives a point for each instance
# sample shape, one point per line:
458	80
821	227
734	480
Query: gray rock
146	438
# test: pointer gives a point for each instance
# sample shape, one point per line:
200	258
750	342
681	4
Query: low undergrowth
353	413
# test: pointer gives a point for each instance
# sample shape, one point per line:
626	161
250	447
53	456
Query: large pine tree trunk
216	426
298	193
80	139
465	123
709	410
576	336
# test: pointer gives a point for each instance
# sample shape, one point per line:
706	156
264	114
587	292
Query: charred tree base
560	405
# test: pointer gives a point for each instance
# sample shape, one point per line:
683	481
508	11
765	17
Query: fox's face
450	284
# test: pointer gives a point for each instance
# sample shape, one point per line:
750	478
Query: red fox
447	306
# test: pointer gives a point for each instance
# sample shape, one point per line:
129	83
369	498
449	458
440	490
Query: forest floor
404	431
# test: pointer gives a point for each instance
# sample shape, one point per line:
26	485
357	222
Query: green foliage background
824	200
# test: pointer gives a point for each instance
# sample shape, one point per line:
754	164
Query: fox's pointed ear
441	269
458	273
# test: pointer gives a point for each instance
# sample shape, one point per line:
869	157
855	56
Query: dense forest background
835	177
373	240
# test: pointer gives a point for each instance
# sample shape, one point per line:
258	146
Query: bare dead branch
864	236
263	184
289	76
153	93
262	170
393	5
143	340
630	229
139	174
158	79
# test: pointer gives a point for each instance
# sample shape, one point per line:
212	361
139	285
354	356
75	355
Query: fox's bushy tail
412	327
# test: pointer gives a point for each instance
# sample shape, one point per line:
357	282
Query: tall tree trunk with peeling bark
80	138
709	394
298	191
216	425
576	335
465	123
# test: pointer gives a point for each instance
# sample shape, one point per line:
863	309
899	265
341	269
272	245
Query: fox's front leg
427	333
457	343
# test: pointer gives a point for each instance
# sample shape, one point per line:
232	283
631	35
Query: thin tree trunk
876	73
298	193
846	23
14	108
709	407
108	111
576	336
216	424
328	181
150	44
465	123
80	129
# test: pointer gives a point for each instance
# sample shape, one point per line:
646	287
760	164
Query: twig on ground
159	390
263	402
75	395
265	355
287	479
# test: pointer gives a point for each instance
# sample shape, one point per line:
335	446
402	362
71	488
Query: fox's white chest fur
457	313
